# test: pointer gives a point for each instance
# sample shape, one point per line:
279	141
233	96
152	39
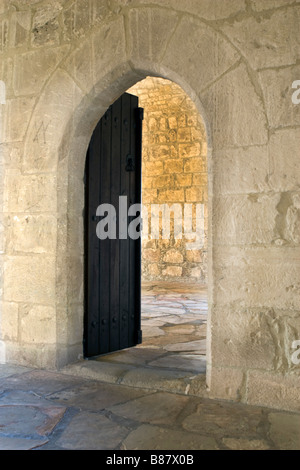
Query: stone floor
151	397
174	318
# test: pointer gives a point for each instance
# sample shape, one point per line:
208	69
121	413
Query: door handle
130	163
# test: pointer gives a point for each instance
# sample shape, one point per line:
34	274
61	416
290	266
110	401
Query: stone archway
48	192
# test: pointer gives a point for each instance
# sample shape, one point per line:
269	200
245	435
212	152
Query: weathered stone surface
226	383
31	234
153	437
245	444
198	346
42	145
269	4
235	92
267	42
85	14
70	324
217	419
8	370
26	415
150	29
267	389
108	38
284	174
248	169
275	285
4	6
45	26
173	256
207	9
19	443
182	362
70	269
90	431
37	285
277	91
31	355
32	69
162	379
30	193
45	383
152	331
20	25
246	220
111	373
9	321
155	409
94	396
285	430
38	324
242	343
80	65
195	53
16	118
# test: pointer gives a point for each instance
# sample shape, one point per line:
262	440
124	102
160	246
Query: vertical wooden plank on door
134	244
104	278
92	247
124	245
115	175
137	275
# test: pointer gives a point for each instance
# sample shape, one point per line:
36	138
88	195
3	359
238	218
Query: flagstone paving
47	410
152	397
174	317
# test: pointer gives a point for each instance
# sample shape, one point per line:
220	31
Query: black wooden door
113	265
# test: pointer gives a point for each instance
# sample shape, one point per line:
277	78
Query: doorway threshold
172	356
142	376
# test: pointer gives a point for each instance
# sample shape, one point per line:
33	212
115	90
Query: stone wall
174	172
64	62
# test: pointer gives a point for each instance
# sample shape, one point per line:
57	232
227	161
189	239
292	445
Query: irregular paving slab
92	431
19	443
169	339
285	430
226	420
196	364
157	408
28	418
97	396
148	437
179	319
7	370
44	381
152	322
29	421
179	330
134	356
20	397
245	444
201	330
152	331
199	346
